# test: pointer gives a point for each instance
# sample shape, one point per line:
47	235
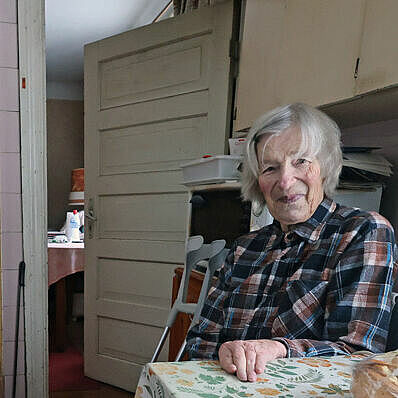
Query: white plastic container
213	169
237	146
72	226
365	200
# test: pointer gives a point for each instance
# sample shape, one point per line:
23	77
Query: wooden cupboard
314	51
296	51
378	66
316	34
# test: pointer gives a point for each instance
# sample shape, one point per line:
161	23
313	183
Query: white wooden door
155	97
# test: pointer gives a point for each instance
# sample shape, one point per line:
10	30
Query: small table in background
63	259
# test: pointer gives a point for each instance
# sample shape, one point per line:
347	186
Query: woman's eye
268	169
301	161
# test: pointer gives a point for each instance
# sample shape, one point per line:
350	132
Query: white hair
320	139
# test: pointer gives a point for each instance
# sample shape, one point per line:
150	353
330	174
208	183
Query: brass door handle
91	218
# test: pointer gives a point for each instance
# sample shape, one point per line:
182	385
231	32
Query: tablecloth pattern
283	378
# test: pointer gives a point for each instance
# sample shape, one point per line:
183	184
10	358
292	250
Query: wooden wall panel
65	152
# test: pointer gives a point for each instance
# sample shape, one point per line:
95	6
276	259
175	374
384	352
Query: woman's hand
248	357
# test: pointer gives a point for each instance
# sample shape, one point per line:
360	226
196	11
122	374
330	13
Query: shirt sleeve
359	305
203	339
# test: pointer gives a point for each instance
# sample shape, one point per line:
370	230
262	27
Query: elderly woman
318	281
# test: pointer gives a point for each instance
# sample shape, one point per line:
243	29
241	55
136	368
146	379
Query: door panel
155	97
115	340
188	105
163	136
139	183
145	250
148	216
125	288
169	70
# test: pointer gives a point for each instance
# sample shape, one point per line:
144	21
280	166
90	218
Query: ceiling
70	24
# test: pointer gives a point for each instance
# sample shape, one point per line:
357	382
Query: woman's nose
286	177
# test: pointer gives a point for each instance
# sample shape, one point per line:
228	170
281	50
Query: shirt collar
312	228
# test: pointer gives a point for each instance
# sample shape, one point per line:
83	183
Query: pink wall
10	193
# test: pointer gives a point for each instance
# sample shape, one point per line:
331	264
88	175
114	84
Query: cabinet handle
356	69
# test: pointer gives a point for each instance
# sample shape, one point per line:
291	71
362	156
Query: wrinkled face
291	185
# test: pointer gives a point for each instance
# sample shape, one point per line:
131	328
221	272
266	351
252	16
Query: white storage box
213	169
365	200
237	146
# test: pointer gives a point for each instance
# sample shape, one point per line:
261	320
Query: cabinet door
378	67
297	51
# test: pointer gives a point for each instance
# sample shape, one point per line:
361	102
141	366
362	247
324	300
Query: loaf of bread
376	376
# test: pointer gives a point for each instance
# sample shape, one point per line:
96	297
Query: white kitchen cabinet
378	66
297	51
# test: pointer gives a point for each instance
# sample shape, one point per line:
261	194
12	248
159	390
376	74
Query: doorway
34	181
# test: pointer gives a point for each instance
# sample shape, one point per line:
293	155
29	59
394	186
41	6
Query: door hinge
356	69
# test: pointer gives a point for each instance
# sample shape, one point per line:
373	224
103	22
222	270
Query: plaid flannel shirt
322	288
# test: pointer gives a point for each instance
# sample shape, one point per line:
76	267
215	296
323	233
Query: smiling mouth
289	199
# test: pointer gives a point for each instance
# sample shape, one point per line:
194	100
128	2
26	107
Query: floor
104	392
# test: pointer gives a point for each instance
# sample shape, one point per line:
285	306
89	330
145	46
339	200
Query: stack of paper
363	169
368	161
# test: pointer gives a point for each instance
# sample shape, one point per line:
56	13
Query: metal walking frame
196	251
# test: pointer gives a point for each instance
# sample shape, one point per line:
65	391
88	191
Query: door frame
32	91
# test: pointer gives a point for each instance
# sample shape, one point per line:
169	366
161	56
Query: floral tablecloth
287	378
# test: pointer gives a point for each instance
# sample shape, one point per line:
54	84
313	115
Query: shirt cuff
285	343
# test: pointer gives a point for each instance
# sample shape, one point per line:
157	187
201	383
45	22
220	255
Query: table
63	259
287	378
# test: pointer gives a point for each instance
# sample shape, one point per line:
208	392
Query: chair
196	251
